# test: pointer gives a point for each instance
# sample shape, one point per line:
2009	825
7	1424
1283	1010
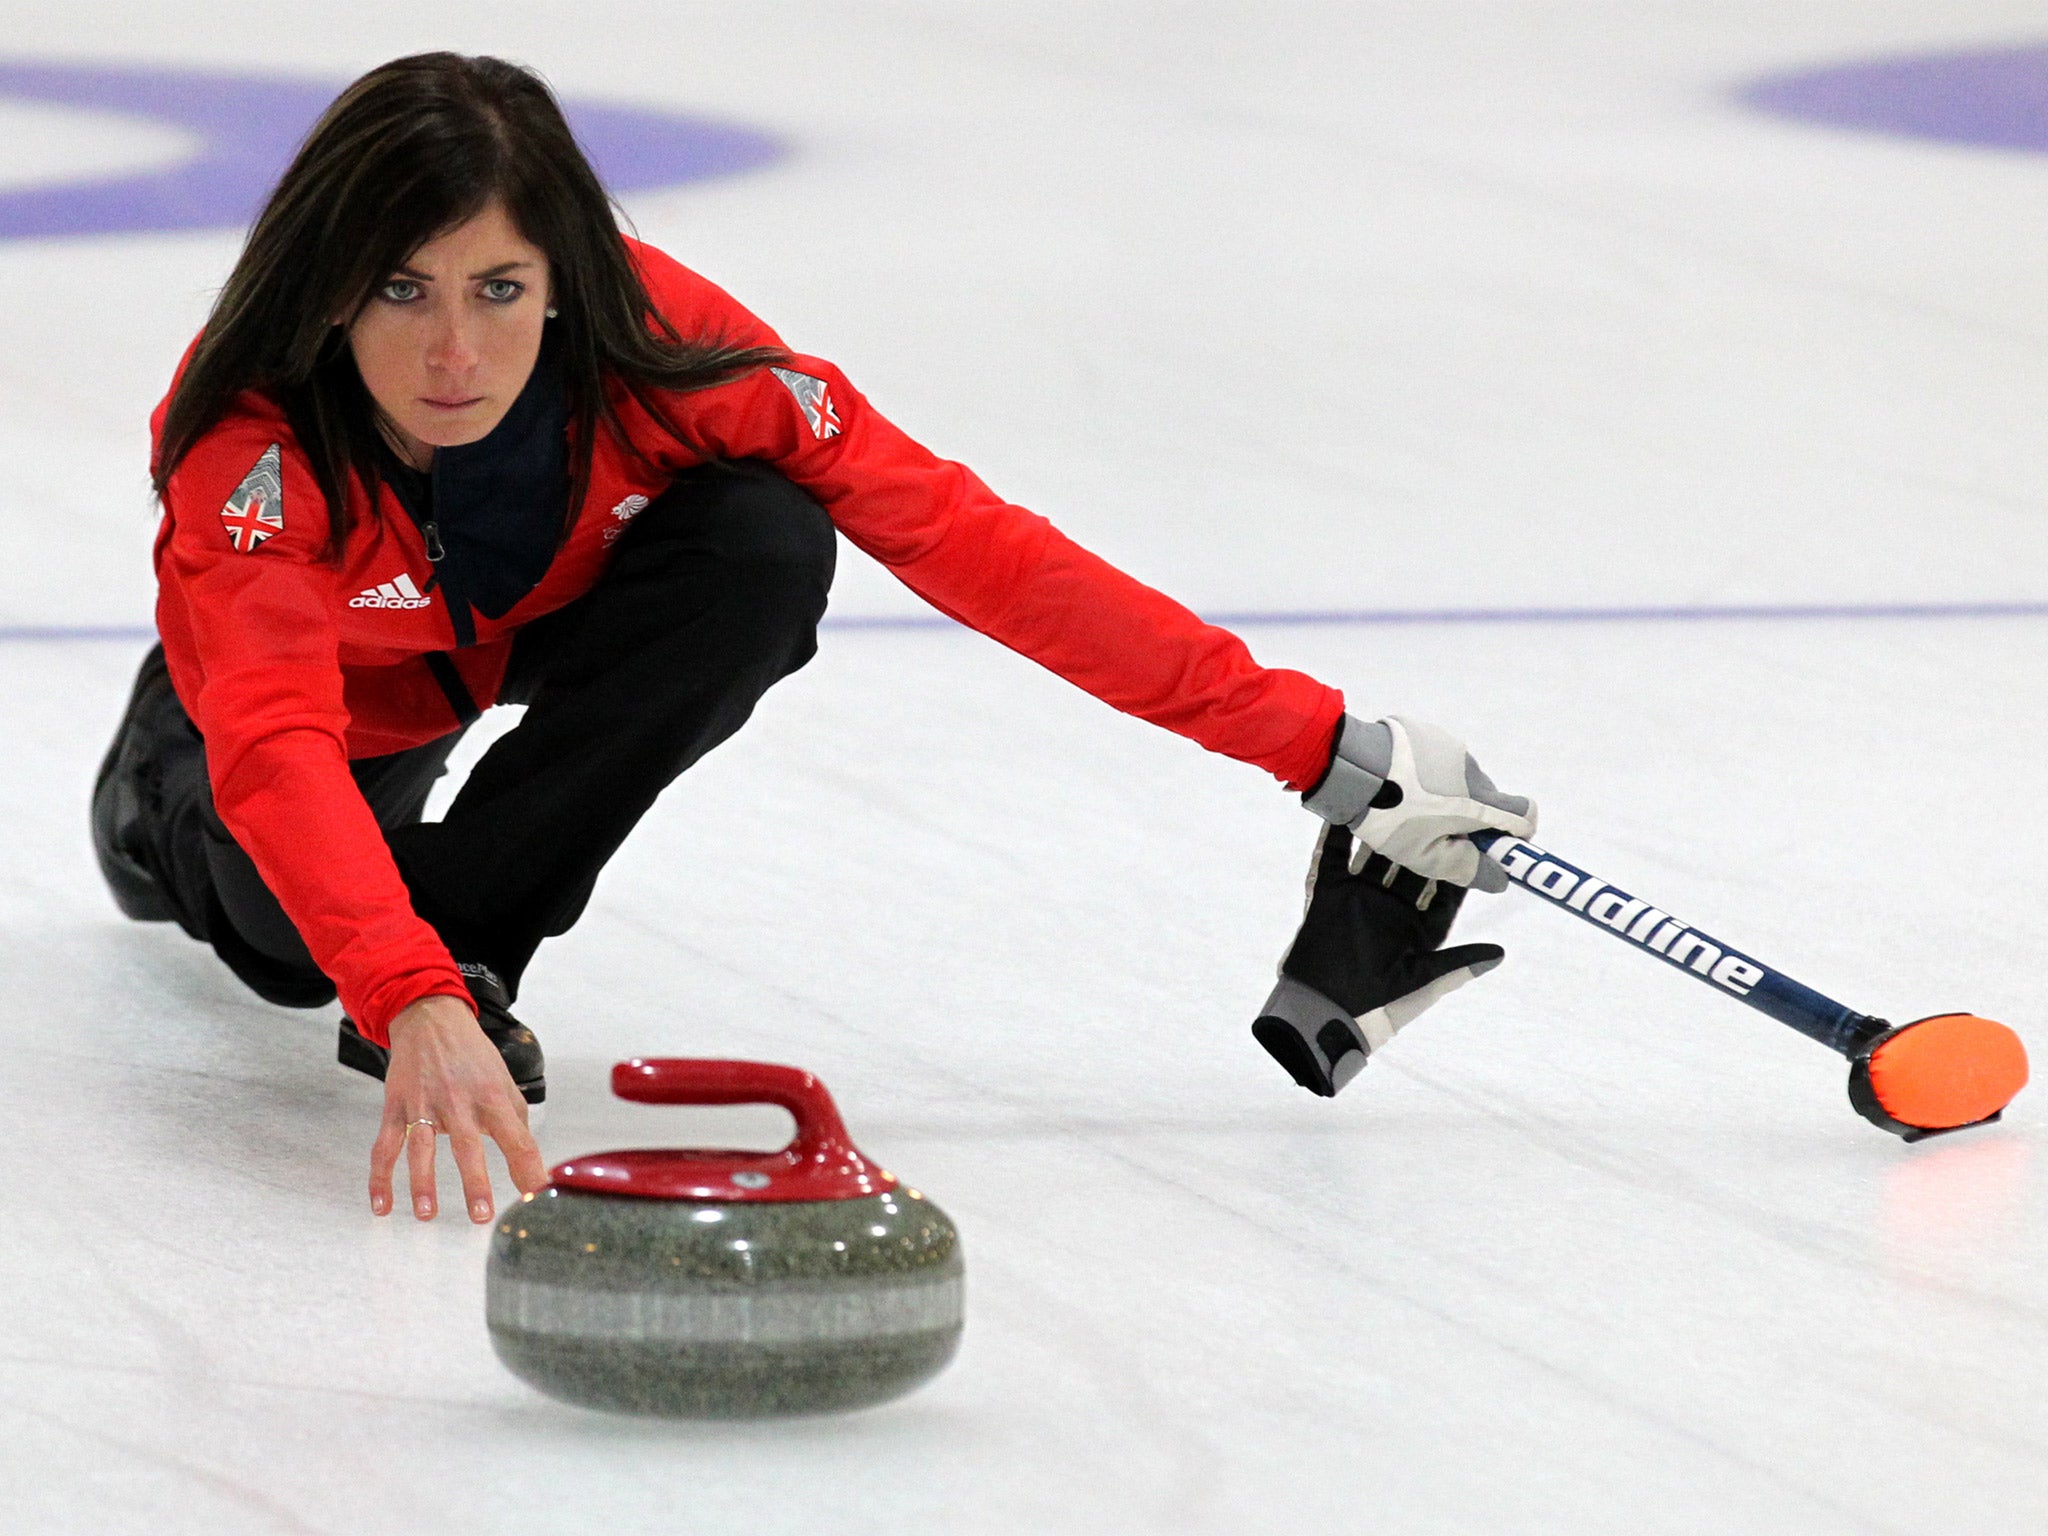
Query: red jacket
291	664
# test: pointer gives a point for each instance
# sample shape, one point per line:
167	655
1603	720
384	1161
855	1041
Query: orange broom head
1951	1070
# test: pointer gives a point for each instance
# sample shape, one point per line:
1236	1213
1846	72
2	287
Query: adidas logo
399	592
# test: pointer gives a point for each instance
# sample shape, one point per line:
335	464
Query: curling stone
722	1284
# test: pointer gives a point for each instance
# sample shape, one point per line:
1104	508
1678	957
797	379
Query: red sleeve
1013	576
698	308
253	652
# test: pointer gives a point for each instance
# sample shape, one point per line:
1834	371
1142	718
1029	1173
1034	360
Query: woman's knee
746	516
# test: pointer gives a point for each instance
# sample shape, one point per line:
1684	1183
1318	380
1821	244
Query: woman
449	439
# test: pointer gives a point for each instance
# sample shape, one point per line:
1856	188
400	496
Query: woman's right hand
1412	794
447	1079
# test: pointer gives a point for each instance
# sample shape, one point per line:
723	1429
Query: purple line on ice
1995	97
249	125
1680	614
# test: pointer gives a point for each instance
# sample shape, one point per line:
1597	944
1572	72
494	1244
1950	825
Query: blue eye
502	290
400	290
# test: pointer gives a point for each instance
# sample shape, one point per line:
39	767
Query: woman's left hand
447	1079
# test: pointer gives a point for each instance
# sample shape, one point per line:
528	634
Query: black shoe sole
373	1060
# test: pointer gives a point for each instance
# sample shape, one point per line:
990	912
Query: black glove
1365	962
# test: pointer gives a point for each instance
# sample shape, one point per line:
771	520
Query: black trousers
713	596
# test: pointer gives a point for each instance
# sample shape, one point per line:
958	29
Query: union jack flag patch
816	400
256	510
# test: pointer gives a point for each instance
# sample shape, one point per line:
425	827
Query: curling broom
1936	1074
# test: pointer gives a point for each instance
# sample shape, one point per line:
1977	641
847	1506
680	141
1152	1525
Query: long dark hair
411	150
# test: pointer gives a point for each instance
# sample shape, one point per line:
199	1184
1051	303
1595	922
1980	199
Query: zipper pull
435	553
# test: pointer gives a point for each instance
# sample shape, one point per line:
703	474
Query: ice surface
1288	308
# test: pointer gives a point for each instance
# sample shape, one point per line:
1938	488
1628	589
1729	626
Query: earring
552	313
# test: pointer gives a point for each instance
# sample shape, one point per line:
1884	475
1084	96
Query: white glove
1411	793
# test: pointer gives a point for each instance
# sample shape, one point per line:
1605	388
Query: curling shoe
127	794
515	1042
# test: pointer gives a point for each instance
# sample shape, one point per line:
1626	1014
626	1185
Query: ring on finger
422	1121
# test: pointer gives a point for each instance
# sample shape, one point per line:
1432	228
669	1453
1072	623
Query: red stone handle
820	1133
821	1163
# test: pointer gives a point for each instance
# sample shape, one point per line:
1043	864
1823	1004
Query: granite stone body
724	1309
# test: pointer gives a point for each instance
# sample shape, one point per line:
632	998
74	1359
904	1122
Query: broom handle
1679	944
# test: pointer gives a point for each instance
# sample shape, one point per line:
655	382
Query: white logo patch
816	400
256	510
625	512
398	592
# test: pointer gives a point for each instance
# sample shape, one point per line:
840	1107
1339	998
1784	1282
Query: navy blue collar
496	507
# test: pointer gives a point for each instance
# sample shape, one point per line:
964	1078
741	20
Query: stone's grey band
1329	1034
1358	771
724	1310
868	1308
